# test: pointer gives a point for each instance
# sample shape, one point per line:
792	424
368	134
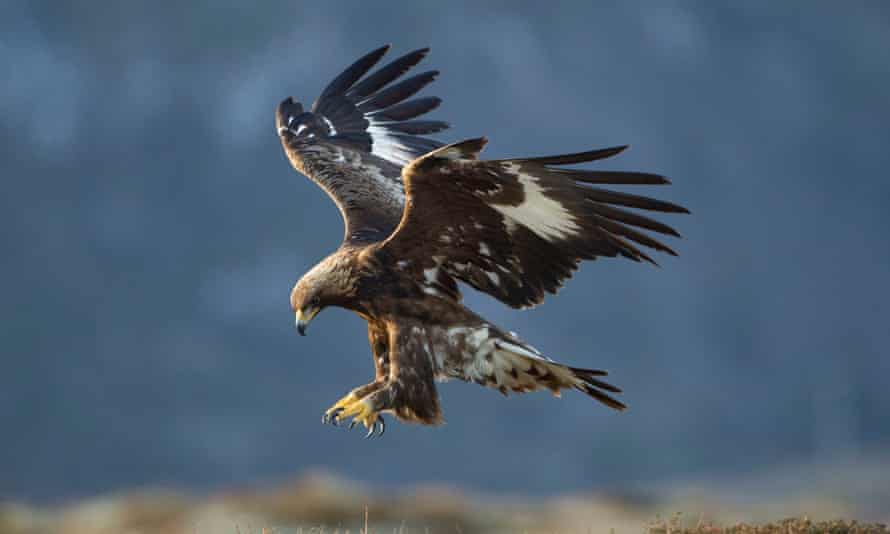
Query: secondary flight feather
420	217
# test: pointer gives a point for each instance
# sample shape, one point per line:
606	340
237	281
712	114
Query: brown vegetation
784	526
323	504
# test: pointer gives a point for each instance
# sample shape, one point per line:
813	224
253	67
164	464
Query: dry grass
785	526
327	505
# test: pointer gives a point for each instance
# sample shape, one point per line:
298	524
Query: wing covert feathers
360	131
517	228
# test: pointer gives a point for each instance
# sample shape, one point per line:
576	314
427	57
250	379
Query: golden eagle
421	216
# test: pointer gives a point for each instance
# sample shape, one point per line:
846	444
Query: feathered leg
408	391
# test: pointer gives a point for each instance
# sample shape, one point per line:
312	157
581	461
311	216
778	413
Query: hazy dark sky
152	229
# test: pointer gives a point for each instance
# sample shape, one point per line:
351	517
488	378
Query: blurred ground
324	503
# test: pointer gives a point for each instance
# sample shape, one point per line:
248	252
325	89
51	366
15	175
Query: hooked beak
303	317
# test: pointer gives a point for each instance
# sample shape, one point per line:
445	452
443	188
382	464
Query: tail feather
592	386
519	367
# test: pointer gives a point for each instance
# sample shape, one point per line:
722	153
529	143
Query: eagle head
294	124
330	283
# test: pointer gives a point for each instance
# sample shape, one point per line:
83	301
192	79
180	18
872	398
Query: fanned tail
506	363
587	382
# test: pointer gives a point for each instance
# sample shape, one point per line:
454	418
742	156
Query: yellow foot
330	415
361	412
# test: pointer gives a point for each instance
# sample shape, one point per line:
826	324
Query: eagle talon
331	416
360	410
379	426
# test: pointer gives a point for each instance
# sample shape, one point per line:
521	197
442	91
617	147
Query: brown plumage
420	217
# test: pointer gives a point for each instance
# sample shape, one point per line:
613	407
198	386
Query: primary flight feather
420	216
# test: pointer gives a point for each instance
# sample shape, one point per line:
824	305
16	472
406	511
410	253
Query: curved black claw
379	426
331	417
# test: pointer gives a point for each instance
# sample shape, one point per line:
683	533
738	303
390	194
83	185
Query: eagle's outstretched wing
517	228
359	133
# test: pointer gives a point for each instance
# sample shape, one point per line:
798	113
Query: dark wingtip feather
386	74
378	52
353	73
417	127
632	201
628	250
577	157
396	93
613	177
635	236
408	109
631	218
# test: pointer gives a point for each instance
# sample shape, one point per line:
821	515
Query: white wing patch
385	145
329	124
538	212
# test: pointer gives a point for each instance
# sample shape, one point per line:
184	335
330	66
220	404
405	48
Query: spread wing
357	136
518	228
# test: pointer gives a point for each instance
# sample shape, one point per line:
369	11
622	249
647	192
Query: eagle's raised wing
358	135
517	228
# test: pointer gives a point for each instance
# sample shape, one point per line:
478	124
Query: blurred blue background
152	229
